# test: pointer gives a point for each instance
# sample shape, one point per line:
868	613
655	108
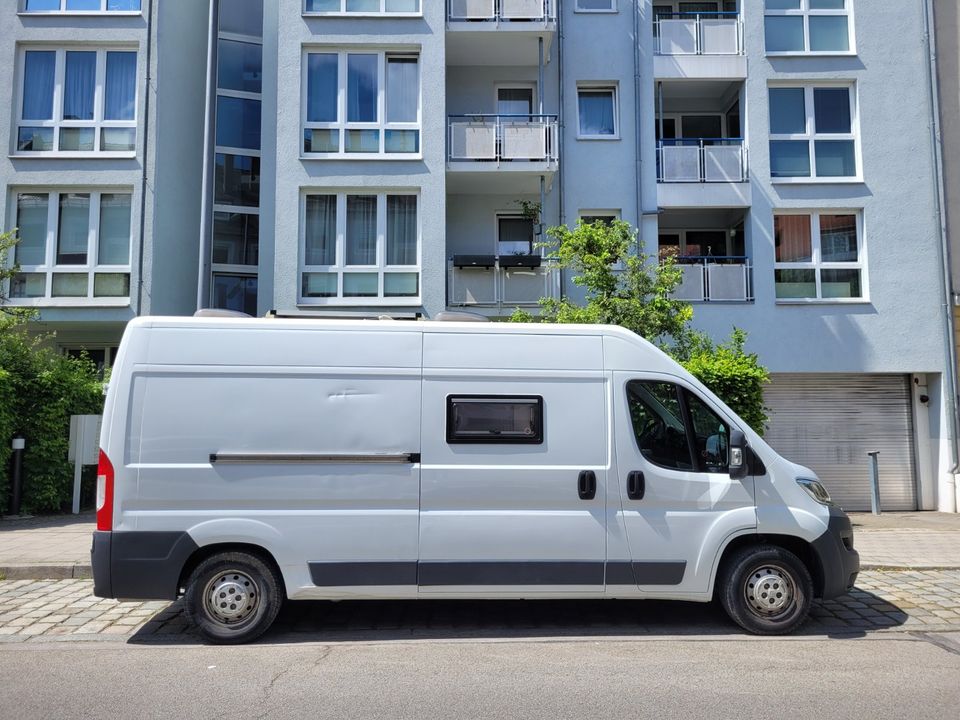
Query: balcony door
516	101
514	235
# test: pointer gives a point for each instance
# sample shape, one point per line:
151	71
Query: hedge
45	389
7	429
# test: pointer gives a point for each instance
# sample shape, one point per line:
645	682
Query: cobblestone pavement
41	610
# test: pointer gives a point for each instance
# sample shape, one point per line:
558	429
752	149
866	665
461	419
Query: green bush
7	429
47	388
735	376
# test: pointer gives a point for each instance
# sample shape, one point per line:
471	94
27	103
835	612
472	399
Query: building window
361	7
597	111
74	246
607	217
361	104
360	248
596	6
100	355
819	256
813	132
494	419
81	6
77	102
808	26
235	292
514	235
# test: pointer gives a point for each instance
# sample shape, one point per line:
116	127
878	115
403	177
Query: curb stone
77	571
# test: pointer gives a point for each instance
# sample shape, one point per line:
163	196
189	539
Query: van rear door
514	465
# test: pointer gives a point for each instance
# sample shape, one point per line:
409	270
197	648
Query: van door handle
587	485
636	485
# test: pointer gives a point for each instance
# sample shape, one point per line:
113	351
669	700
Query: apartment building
402	157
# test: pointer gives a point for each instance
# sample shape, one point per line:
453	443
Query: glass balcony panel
472	9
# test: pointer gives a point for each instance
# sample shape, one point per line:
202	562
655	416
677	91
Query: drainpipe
948	497
540	77
206	198
143	176
561	124
638	112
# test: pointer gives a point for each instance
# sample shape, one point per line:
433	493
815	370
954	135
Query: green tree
625	287
10	316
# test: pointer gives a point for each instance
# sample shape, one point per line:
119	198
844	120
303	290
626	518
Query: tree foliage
628	288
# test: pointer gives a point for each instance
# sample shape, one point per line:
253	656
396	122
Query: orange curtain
792	238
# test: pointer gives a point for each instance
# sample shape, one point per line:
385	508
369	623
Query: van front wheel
233	597
766	590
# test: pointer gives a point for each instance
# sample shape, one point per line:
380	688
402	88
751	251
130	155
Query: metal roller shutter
830	422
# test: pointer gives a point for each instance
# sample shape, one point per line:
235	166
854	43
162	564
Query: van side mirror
738	455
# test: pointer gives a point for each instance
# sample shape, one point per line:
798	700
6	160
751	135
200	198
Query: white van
248	461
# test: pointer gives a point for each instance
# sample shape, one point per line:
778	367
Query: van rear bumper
839	561
139	565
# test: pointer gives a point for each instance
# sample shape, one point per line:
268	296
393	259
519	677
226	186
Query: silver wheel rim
770	591
231	598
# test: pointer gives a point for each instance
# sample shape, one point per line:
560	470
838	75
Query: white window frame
342	125
340	268
811	136
91	268
594	86
343	12
816	264
22	10
612	214
98	124
514	215
805	12
597	11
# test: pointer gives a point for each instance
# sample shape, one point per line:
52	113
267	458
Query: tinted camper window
494	419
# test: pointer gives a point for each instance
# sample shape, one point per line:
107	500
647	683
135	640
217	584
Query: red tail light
104	493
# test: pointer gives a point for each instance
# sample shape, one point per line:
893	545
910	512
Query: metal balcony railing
703	160
501	10
501	282
712	33
715	279
499	138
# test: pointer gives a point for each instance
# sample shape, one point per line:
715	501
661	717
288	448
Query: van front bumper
838	560
139	565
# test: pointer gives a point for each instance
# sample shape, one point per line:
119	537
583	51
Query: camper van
247	462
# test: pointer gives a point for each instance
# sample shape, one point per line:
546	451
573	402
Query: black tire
766	590
250	593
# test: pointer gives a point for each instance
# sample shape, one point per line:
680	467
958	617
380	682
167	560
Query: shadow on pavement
47	521
379	620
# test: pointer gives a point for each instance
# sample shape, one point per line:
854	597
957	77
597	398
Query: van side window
676	429
710	436
658	424
494	419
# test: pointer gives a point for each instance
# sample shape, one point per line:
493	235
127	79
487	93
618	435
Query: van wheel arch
208	551
798	546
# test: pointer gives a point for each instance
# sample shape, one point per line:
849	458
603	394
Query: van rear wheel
766	590
233	597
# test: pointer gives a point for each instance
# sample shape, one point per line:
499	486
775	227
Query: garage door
830	422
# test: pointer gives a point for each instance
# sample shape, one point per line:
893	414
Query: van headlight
815	490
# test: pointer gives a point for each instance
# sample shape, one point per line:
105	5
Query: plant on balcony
628	288
39	390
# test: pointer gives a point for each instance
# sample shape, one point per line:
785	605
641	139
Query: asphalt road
903	675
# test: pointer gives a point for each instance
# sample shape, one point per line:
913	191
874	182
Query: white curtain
38	72
401	230
114	243
78	85
596	112
361	230
32	222
321	230
362	88
403	89
121	89
74	228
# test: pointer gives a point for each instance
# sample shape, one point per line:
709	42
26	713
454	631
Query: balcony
499	32
715	279
702	172
705	45
501	153
501	283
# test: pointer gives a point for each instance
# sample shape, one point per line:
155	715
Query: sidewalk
59	547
